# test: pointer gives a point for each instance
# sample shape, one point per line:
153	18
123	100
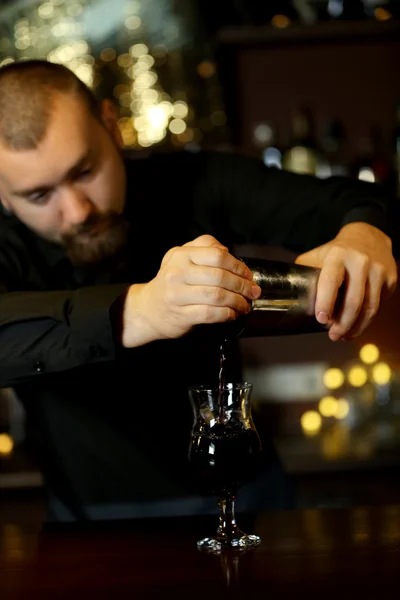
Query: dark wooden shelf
340	31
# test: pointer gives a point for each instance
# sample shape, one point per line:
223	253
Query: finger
370	307
206	241
329	281
215	257
214	276
357	275
212	296
205	314
390	283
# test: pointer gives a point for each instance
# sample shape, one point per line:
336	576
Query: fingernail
255	290
322	317
334	337
249	274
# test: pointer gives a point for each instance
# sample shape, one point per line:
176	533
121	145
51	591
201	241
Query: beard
100	238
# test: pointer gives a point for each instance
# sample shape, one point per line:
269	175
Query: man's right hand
198	283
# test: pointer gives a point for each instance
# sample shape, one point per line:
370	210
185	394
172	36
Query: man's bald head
27	92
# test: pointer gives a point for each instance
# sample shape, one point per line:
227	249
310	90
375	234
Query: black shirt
110	424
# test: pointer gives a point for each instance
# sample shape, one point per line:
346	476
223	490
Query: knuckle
206	239
219	295
217	275
353	303
379	269
336	252
239	268
214	293
171	252
330	277
218	255
206	314
245	288
171	276
363	261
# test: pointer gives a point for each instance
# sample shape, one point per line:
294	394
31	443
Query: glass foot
240	541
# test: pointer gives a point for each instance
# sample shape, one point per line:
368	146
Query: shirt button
39	366
97	351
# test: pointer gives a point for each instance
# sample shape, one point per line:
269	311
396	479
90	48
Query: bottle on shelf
334	146
370	163
302	155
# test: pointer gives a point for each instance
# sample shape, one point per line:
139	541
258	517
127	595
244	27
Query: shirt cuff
91	321
367	214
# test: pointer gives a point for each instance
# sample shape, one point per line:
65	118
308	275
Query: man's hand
197	283
360	257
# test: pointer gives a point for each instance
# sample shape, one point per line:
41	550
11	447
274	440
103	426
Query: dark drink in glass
225	458
224	452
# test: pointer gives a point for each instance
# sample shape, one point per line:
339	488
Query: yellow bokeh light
85	73
369	354
336	442
132	7
180	110
333	378
133	22
357	376
138	50
125	60
206	69
381	373
177	126
187	136
280	21
46	10
327	406
145	61
6	444
381	14
311	422
108	54
342	408
75	10
157	117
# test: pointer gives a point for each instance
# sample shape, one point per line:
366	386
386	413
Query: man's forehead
29	170
5	174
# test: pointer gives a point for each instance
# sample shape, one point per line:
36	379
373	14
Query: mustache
99	222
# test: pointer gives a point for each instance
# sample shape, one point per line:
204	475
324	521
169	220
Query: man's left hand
360	257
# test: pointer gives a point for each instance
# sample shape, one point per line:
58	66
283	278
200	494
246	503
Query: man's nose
76	206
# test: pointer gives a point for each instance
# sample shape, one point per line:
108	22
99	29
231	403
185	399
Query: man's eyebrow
46	188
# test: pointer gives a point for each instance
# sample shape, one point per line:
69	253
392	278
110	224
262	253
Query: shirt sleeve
245	202
47	332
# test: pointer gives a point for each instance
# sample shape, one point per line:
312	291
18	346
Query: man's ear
110	120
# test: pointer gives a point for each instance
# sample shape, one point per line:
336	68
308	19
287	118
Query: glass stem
227	522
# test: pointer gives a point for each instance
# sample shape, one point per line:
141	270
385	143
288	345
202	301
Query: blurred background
309	86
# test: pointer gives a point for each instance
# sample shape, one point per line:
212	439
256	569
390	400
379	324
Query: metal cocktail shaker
287	302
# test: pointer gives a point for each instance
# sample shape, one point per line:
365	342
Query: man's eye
40	198
84	173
